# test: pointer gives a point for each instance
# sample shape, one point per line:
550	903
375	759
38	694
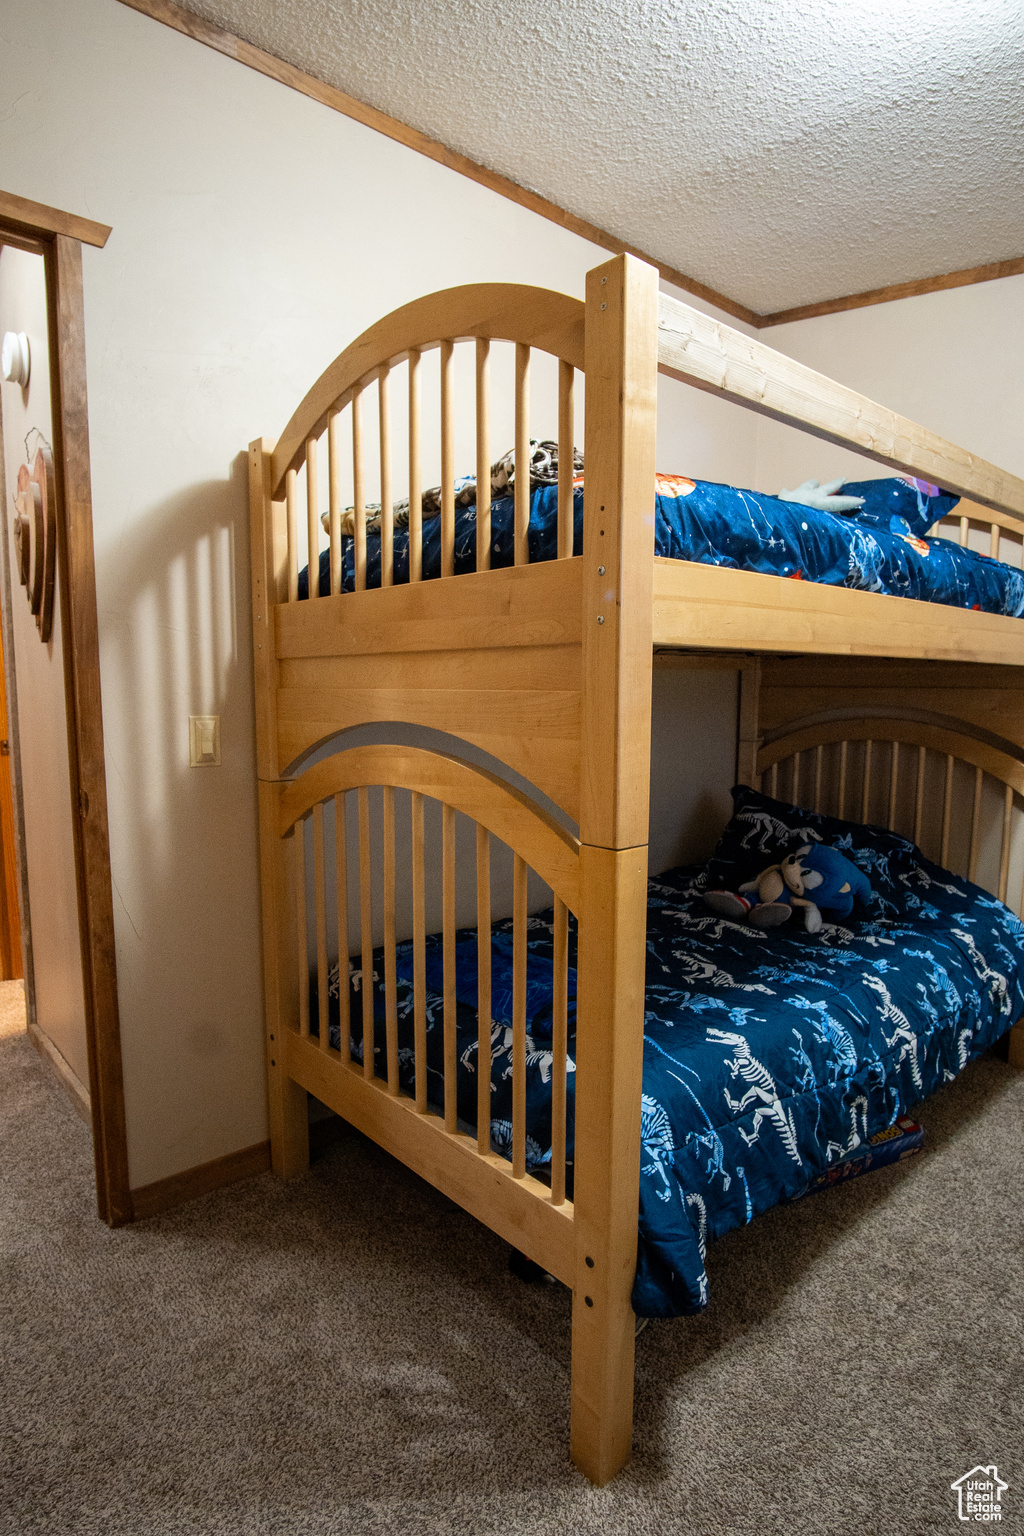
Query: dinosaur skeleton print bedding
767	1055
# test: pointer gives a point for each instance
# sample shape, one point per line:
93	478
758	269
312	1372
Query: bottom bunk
769	1055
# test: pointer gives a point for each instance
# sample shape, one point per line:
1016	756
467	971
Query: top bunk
346	481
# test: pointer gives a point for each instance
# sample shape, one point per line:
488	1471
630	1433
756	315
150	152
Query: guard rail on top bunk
570	710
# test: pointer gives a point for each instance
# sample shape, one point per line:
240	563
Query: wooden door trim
62	254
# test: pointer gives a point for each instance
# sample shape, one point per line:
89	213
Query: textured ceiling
781	151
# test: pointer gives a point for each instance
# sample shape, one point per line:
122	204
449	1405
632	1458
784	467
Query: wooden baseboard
69	1080
165	1194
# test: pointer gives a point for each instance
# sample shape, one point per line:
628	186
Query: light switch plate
204	741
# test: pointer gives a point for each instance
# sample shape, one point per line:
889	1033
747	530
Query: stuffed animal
769	900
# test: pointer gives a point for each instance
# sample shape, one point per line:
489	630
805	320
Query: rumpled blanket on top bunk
719	525
767	1056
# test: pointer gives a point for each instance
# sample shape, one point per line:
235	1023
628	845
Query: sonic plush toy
769	900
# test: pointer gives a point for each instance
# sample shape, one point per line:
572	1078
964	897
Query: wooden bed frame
548	669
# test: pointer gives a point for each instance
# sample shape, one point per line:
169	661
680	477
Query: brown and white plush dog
543	471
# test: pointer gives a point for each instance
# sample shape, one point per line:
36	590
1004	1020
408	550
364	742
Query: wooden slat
818	755
366	930
415	472
559	1050
292	516
994	541
794	793
773	788
301	929
518	1210
483	454
387	507
947	806
451	1058
312	520
447	463
972	865
341	885
535	605
714	357
894	769
1004	846
865	792
519	938
922	753
419	955
566	434
521	543
843	759
334	496
483	989
320	909
390	965
965	532
358	493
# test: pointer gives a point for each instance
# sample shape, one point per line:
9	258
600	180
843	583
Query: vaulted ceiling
781	151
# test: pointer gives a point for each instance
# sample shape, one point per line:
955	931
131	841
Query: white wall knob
17	360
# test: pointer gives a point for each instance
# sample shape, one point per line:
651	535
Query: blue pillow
904	883
900	505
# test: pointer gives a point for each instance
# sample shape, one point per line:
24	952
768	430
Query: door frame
59	237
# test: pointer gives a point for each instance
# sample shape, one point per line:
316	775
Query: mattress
721	525
767	1056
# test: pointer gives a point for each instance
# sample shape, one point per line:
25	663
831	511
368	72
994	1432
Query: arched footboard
368	1007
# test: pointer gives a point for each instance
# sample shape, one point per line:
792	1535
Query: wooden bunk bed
547	668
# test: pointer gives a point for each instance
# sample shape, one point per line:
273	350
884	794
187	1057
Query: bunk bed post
748	741
287	1103
618	557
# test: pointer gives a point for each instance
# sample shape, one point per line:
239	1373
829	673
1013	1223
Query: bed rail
714	357
995	534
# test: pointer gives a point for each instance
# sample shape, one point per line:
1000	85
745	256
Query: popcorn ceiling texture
782	151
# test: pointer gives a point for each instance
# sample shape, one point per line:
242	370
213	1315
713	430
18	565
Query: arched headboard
956	790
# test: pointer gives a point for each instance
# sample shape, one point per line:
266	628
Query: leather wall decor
35	538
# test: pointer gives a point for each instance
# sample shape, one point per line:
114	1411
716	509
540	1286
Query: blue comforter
719	525
767	1056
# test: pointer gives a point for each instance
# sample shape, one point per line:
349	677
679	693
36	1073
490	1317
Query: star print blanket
767	1056
719	525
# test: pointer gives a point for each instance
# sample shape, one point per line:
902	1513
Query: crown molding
961	279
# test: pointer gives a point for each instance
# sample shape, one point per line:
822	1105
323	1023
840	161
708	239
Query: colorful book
903	1139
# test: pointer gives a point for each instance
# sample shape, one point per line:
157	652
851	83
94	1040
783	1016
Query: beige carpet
349	1355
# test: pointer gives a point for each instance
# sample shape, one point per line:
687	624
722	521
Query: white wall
953	361
255	233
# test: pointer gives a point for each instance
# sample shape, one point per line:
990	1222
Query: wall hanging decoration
35	537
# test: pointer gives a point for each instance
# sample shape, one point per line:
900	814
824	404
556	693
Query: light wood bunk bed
548	668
